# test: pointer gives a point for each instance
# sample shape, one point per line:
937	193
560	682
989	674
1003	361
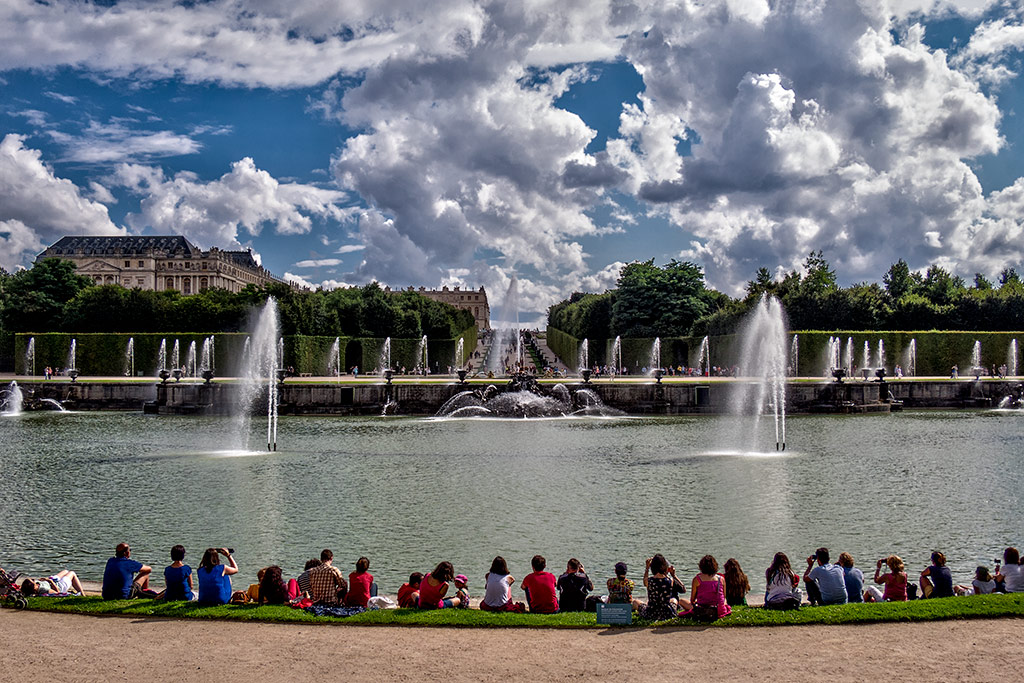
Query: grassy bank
972	607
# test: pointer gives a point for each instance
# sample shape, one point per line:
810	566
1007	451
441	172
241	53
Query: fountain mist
30	357
704	358
129	358
258	377
655	360
583	358
763	359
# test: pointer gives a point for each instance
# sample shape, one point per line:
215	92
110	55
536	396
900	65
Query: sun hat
461	578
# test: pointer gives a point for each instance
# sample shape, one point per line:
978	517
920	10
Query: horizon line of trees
52	297
674	301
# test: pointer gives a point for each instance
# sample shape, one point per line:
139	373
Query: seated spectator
124	577
303	579
63	582
252	593
1009	577
895	582
360	585
215	578
984	582
326	584
462	590
273	589
540	588
853	578
826	583
936	581
660	605
178	577
498	589
409	593
782	592
737	585
573	587
707	593
620	589
434	587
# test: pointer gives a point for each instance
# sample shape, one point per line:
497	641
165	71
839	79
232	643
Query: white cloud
114	142
38	208
17	241
101	194
318	263
60	97
818	130
349	248
324	284
213	213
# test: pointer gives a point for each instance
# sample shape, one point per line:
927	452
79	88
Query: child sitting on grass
409	593
462	590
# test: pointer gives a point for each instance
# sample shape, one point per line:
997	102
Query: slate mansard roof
127	246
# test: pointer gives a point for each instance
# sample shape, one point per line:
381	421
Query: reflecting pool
409	492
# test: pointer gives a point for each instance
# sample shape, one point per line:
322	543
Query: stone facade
474	301
160	263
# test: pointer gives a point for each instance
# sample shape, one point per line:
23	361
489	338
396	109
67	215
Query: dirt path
48	647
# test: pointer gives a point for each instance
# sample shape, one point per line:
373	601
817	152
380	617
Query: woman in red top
435	585
895	582
360	584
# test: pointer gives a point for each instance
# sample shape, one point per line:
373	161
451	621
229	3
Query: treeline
52	297
673	301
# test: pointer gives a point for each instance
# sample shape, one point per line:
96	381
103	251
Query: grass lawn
972	607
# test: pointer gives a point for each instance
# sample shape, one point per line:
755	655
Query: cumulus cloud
480	159
37	208
213	213
764	130
821	126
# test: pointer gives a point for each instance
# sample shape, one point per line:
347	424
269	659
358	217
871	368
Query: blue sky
460	143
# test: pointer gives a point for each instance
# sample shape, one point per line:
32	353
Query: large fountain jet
259	374
763	359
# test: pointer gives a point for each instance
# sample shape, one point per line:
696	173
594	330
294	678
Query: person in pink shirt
360	585
540	588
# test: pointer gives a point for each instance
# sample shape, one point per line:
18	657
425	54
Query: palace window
127	264
170	283
186	286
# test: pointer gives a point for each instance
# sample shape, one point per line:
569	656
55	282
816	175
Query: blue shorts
447	603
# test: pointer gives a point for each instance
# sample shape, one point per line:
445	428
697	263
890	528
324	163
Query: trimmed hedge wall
106	354
937	351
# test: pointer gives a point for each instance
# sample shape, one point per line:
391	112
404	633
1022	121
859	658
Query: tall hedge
106	354
937	351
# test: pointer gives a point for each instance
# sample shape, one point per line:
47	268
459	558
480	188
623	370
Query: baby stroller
9	591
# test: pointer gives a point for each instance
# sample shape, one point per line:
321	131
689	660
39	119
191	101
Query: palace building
160	263
474	301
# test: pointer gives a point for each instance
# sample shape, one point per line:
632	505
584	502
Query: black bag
590	605
783	605
705	613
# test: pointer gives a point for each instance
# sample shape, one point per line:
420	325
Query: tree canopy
52	297
673	301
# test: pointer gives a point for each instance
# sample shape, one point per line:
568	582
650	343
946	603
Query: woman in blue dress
215	578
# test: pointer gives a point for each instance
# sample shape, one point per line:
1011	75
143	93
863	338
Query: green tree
899	281
653	301
34	299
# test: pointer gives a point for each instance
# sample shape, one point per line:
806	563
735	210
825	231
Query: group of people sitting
711	595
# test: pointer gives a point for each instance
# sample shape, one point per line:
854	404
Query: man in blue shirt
119	576
826	583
